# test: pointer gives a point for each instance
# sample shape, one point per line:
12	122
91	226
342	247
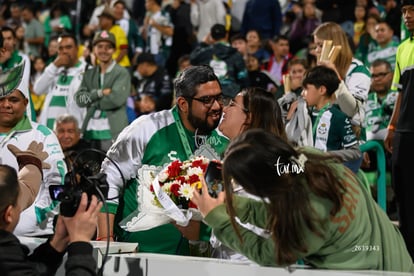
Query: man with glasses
60	81
154	140
381	100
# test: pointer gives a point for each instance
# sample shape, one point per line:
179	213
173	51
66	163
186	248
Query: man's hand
106	91
191	232
34	150
388	140
62	60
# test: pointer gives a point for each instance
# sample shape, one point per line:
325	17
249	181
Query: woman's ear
248	120
182	104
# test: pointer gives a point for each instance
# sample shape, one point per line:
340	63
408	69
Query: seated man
68	133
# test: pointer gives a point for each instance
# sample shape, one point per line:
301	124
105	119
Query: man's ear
182	105
8	215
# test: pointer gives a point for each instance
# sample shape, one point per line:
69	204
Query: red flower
181	178
197	163
174	189
174	169
151	188
193	179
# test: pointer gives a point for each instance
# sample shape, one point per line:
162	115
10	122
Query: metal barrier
381	170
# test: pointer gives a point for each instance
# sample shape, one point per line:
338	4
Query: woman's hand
204	201
330	65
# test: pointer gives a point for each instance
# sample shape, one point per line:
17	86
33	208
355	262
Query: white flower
197	171
186	164
186	191
167	187
163	176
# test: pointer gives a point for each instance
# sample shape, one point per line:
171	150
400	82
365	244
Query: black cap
218	31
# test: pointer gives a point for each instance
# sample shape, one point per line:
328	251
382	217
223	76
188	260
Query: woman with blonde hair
355	75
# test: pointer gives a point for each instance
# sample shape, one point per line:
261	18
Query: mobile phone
214	178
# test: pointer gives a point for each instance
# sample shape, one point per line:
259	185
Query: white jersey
60	84
37	219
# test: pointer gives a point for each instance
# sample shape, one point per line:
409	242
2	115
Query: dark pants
403	184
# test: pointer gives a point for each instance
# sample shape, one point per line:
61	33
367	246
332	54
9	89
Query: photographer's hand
82	226
204	201
60	239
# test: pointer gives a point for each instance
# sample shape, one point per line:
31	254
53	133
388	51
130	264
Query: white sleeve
127	153
46	80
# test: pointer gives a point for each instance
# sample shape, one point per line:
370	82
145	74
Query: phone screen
213	178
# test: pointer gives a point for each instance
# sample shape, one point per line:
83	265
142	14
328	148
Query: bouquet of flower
165	194
179	180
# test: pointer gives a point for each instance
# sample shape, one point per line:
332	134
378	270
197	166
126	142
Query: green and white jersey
148	143
60	84
358	80
37	219
332	129
378	114
387	53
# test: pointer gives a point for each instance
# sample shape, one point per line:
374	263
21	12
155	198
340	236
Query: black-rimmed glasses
208	101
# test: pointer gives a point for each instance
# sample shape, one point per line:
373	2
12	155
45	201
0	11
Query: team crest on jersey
219	67
322	129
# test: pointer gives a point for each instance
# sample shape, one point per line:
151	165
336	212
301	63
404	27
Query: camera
214	178
84	177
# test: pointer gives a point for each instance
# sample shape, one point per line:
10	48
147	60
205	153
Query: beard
202	123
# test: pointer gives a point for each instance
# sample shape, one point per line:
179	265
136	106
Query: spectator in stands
135	41
279	59
34	33
57	22
69	135
265	16
12	58
256	46
60	81
384	45
15	19
104	92
154	87
158	32
107	23
206	13
227	63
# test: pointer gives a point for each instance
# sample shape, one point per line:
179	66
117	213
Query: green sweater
113	105
360	236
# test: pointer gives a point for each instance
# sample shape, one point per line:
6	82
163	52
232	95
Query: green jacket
360	236
90	95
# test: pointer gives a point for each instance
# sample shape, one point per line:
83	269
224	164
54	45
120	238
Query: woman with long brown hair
312	207
353	72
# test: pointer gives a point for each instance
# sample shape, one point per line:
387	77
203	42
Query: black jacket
228	64
45	260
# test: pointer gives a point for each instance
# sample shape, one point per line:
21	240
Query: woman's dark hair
250	161
187	83
264	111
